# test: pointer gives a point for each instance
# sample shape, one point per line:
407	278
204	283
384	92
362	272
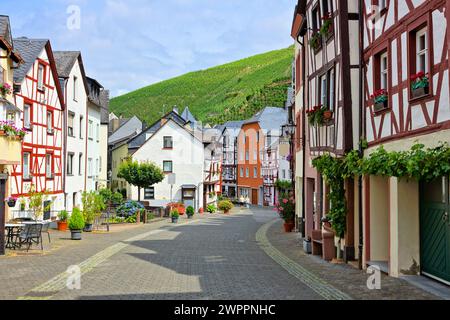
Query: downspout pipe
362	115
303	141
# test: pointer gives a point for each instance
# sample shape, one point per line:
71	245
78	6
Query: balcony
322	129
10	150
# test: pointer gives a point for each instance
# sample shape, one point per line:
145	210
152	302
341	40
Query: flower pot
12	203
174	220
2	132
420	92
328	115
76	234
88	227
62	226
227	212
380	106
289	226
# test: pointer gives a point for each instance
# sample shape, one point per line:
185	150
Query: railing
29	214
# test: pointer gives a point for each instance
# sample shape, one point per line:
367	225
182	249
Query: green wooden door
435	229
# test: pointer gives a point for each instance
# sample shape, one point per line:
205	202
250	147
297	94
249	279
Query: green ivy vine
419	163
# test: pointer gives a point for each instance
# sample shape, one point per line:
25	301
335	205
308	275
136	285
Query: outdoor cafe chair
30	234
45	228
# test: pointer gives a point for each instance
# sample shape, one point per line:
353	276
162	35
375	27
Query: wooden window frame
166	146
420	23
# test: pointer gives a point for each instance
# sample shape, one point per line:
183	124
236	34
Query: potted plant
380	100
62	223
93	204
5	89
11	201
174	215
327	115
190	212
22	203
316	41
327	26
225	206
211	208
201	210
420	85
286	210
76	224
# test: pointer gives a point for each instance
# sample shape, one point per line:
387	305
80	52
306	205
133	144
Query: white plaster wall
93	147
187	157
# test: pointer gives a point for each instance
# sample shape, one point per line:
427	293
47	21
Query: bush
63	215
226	205
76	221
129	208
131	219
211	208
190	211
175	214
117	198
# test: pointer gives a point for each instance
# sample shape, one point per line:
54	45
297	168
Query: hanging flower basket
5	89
420	85
11	202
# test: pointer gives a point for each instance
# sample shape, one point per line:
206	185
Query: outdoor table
10	234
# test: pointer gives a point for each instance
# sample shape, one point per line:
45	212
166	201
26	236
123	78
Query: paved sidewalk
343	277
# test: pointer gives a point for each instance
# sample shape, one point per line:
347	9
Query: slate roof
270	118
65	61
132	126
188	116
29	49
5	31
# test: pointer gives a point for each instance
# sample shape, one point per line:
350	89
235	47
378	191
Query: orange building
249	178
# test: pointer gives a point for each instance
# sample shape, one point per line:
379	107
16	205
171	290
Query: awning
9	106
189	186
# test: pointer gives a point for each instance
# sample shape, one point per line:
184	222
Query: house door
255	197
435	229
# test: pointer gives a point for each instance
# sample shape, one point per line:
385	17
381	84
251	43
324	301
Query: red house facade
39	95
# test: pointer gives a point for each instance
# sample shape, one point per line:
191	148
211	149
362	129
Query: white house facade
175	149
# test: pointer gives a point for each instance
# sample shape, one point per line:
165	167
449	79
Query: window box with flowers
319	116
420	85
327	29
8	128
316	41
5	89
380	100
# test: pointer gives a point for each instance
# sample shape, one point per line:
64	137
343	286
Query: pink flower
281	208
285	201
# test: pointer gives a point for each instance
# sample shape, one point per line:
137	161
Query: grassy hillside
232	91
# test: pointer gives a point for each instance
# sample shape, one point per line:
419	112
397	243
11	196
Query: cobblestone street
241	256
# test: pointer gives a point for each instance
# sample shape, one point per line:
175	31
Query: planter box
380	106
420	92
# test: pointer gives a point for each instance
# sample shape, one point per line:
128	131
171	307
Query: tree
36	204
140	175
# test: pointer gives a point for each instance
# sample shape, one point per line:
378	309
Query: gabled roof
29	49
140	139
165	124
6	40
65	61
270	118
132	126
188	116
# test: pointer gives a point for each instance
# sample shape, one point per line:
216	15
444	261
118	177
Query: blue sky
128	44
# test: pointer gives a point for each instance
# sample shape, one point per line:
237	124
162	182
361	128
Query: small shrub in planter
190	212
211	208
62	223
226	206
174	215
76	224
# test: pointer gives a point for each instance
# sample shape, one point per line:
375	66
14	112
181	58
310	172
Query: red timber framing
397	25
43	139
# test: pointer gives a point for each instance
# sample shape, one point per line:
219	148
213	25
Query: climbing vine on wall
418	163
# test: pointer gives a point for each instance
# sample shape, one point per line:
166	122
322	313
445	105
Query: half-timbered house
326	75
406	49
39	95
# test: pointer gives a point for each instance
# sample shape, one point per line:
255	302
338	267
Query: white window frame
70	157
26	165
75	89
255	172
27	116
323	90
49	122
332	82
422	52
40	77
80	164
90	168
48	166
90	130
97	132
384	71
